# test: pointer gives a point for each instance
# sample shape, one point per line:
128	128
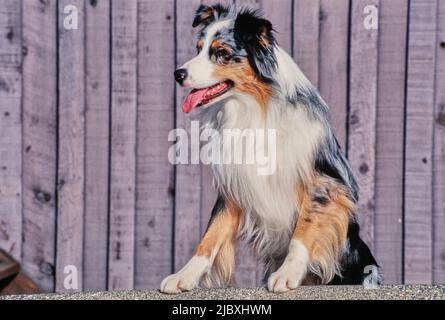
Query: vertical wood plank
123	144
97	132
39	140
306	32
71	113
154	201
419	139
252	4
439	152
388	238
188	176
279	12
362	113
333	69
10	128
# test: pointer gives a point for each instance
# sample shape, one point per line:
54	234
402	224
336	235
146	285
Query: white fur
289	74
292	272
188	277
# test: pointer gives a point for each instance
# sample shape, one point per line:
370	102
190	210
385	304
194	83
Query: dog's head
235	54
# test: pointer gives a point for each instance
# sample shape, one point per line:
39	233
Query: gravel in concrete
393	292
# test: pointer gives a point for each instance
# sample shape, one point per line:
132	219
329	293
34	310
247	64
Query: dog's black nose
180	75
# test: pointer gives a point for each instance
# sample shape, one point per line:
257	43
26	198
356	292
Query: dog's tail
358	265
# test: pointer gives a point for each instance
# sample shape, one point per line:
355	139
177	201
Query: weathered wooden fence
85	114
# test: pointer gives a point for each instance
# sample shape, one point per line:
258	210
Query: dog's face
235	54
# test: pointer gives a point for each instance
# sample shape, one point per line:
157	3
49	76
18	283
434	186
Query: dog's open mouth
200	97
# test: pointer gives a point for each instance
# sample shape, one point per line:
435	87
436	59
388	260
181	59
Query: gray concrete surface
407	292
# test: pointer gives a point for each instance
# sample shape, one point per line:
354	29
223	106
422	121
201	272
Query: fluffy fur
299	217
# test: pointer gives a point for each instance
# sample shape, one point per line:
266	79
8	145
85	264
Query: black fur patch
326	167
255	35
354	262
331	162
217	208
309	97
205	14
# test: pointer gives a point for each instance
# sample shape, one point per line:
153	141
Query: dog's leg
214	254
320	235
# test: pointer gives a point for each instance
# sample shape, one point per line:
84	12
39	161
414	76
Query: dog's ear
257	36
205	14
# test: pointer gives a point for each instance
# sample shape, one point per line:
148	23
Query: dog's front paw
290	275
179	282
187	278
284	279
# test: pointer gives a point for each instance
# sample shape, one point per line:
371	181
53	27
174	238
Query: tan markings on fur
311	280
263	37
242	74
215	44
221	237
199	44
206	14
323	228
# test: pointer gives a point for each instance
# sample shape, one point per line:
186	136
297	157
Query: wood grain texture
252	4
419	140
97	131
188	176
306	33
279	12
439	152
154	204
71	151
123	144
333	71
362	113
10	128
388	237
39	140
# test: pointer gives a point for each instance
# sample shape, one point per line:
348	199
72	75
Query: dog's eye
222	54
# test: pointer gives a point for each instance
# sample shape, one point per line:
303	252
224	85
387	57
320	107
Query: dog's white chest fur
268	200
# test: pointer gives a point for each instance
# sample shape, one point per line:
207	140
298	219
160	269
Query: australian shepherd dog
300	220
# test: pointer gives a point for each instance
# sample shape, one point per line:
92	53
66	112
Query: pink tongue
193	99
